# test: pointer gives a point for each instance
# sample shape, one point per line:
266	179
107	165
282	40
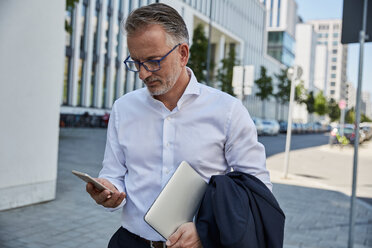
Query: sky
332	9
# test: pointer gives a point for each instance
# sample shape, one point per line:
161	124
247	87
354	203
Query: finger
102	196
120	198
174	237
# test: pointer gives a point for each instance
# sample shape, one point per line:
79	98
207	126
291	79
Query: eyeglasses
151	65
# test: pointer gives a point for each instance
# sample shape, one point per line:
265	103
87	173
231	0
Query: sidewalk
316	217
315	195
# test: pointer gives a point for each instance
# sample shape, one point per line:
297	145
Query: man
151	130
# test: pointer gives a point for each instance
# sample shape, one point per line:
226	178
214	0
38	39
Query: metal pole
342	124
289	125
209	43
356	141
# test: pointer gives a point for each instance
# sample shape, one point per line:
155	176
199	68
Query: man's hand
186	236
105	198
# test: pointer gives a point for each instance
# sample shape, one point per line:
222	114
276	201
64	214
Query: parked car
270	127
258	124
283	125
367	130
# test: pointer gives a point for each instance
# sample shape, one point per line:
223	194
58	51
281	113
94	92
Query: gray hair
161	14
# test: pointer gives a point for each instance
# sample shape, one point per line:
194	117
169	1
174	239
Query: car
367	130
258	124
270	127
283	125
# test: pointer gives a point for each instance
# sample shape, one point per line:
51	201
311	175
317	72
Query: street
276	144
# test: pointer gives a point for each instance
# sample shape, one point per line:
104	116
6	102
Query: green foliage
320	105
198	53
264	83
225	74
364	118
334	111
350	116
310	103
300	93
284	87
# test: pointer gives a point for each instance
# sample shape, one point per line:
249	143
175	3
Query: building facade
366	104
281	19
95	46
329	34
305	54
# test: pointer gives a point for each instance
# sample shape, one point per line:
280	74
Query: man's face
151	43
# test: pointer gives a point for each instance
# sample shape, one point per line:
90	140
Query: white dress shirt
209	129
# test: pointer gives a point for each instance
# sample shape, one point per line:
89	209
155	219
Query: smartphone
86	178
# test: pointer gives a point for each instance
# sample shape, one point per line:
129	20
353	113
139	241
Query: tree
284	88
225	73
320	104
364	118
333	110
264	83
350	116
310	102
300	93
198	53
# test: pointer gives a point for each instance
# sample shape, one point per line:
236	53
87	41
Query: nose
143	73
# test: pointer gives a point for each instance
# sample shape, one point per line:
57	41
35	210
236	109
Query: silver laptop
178	202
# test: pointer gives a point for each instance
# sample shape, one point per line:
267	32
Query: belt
152	244
155	244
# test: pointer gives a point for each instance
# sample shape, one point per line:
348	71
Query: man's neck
171	98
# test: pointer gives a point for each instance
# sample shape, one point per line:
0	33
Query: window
333	75
333	83
335	43
332	92
334	59
334	51
323	27
335	35
336	26
333	67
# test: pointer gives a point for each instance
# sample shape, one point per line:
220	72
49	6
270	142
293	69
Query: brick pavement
315	217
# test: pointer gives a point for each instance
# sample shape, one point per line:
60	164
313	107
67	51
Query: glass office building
281	46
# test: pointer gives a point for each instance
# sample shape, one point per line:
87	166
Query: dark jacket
239	211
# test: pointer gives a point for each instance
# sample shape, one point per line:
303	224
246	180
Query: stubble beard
164	86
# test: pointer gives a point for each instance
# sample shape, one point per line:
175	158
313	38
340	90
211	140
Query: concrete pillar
86	85
31	78
74	66
111	48
98	84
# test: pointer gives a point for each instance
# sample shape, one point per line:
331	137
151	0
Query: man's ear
184	51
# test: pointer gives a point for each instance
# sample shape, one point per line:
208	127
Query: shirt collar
193	88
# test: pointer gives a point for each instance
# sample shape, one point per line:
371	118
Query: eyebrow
148	58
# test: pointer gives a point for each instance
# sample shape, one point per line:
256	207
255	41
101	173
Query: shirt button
167	144
169	118
166	171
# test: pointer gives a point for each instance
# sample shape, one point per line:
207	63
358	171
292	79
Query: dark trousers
125	239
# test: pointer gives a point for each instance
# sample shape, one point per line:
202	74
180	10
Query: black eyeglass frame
127	62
